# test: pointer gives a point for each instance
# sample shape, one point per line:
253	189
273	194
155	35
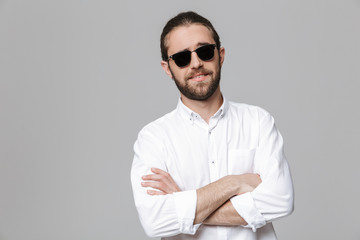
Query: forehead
188	37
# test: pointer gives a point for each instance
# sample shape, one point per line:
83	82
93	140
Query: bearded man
212	168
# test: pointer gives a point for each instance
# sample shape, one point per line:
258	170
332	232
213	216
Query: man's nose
195	61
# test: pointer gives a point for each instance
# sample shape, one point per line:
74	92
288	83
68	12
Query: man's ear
165	66
222	55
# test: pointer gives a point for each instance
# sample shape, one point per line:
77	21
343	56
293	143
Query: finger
161	180
156	185
163	177
161	187
153	177
153	192
158	171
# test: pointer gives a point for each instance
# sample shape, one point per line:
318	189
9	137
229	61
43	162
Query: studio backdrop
79	80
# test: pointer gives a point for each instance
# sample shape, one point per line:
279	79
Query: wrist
232	184
248	182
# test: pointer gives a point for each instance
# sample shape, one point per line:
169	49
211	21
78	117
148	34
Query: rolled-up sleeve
160	215
274	197
244	204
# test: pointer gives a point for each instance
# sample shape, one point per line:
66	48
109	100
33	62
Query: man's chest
196	156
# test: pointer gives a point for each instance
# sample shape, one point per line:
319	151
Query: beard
202	90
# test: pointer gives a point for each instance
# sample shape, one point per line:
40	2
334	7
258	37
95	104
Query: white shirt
238	139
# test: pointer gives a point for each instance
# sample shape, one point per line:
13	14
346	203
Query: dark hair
185	18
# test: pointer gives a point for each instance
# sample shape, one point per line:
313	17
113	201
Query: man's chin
198	96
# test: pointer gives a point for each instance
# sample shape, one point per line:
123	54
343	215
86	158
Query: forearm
212	196
208	198
225	215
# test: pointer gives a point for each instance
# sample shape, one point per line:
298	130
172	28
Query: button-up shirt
238	139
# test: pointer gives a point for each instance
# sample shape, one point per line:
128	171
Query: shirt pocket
241	161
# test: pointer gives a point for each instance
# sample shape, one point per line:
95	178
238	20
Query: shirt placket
214	165
212	151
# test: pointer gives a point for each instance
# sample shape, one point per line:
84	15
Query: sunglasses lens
205	53
182	58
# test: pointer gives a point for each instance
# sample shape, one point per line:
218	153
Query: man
210	169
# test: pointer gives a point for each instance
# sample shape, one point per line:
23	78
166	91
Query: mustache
198	71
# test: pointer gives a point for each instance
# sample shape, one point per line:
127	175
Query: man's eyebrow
200	44
203	44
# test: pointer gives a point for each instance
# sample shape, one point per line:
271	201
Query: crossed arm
213	206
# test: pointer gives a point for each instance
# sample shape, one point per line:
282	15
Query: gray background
79	79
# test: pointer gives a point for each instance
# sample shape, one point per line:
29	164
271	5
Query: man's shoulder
247	109
160	125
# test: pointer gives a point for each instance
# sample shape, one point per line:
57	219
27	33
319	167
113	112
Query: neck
205	108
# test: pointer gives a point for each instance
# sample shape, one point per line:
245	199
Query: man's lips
199	77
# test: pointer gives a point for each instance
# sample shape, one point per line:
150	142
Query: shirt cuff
245	206
185	204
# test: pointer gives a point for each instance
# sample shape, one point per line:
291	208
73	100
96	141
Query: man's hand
161	181
248	182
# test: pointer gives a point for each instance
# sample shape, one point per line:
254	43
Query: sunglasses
183	58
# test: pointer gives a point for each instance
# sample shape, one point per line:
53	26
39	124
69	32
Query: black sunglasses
183	58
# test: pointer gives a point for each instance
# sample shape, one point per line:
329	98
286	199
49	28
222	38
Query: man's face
199	79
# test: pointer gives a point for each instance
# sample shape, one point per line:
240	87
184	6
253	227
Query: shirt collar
191	116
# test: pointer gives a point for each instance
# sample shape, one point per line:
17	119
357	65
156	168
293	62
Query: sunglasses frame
197	49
